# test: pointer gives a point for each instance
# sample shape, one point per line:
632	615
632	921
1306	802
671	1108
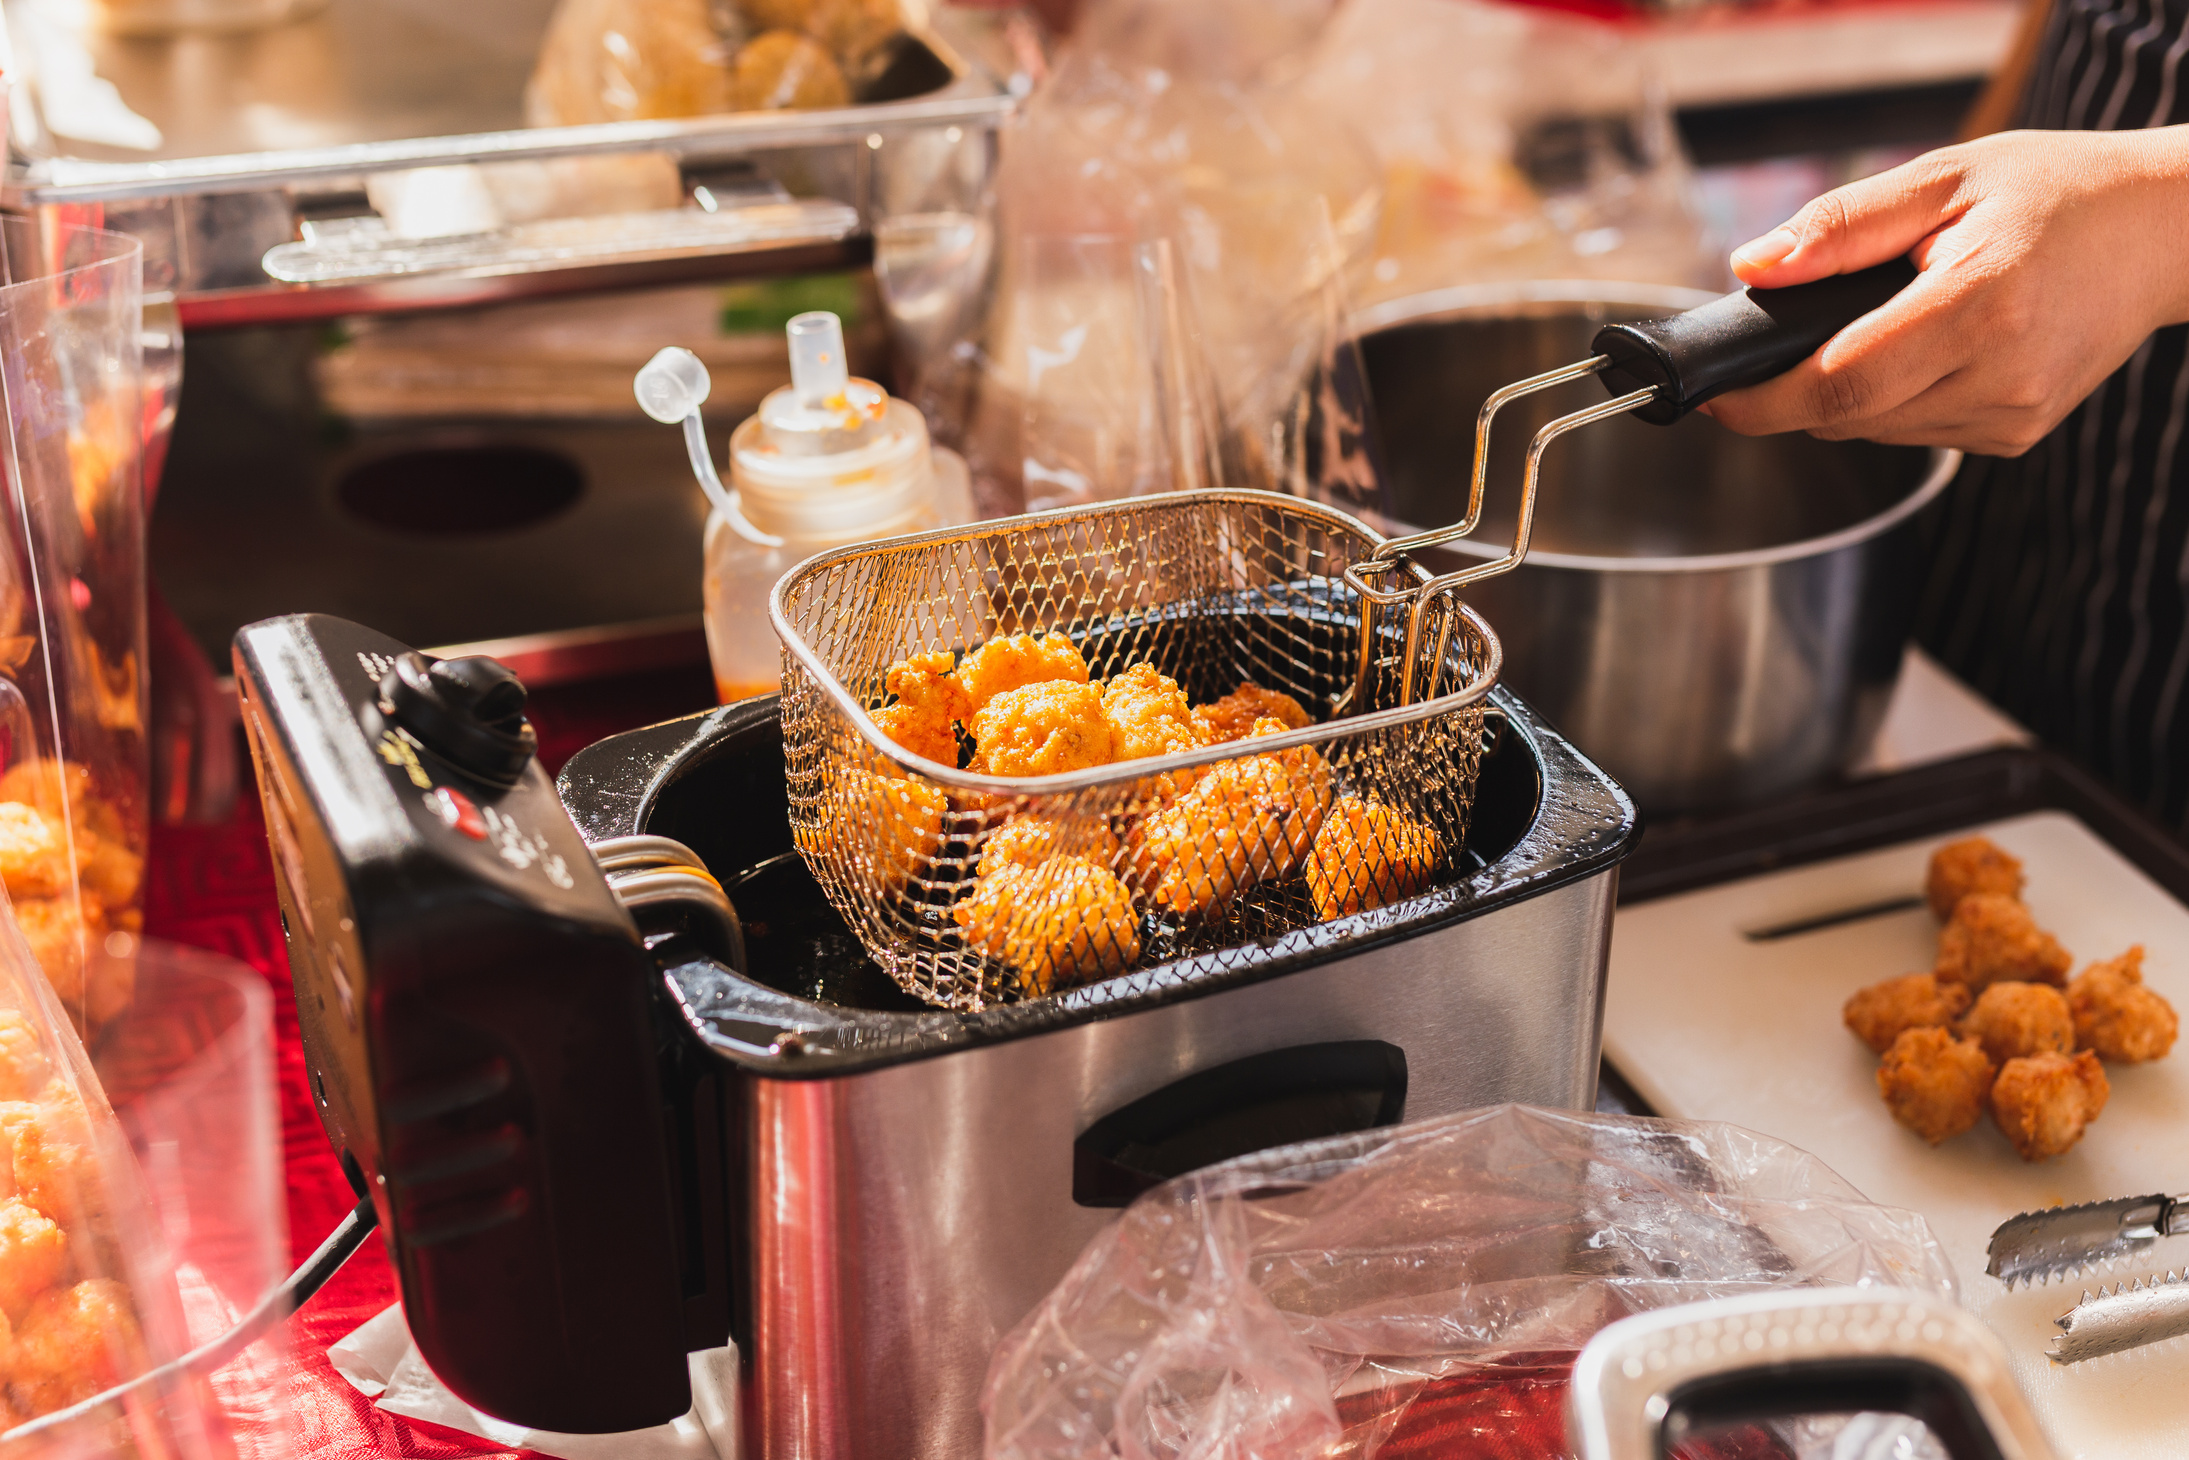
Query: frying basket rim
1141	768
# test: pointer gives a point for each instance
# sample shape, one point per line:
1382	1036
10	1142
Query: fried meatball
1233	717
1042	730
887	828
33	1255
930	704
1879	1014
2116	1015
1972	865
1933	1083
2044	1101
33	852
1063	922
1246	821
782	70
1991	937
24	1069
2015	1019
1028	841
1366	855
74	1342
1016	661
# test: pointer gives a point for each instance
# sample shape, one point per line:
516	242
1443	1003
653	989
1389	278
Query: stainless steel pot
1718	620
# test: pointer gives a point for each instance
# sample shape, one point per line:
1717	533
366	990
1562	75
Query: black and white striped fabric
2060	583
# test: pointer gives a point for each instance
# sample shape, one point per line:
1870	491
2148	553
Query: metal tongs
2036	1247
1657	369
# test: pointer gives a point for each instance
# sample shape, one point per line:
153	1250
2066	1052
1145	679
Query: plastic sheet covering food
1423	1290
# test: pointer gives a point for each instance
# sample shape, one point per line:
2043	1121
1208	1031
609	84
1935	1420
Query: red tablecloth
213	887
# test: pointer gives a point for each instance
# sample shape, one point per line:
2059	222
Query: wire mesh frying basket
1127	865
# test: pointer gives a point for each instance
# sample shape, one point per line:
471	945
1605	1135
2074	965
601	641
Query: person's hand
2046	258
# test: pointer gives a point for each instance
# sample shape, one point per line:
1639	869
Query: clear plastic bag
1353	1296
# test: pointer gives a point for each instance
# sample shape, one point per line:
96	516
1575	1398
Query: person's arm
2046	258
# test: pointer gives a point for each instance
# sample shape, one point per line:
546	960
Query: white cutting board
1710	1024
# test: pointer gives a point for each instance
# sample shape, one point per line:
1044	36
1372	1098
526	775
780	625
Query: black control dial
469	712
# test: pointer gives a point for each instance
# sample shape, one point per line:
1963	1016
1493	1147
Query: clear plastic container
73	804
829	460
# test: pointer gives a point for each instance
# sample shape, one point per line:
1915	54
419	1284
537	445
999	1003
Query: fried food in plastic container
33	1255
1028	841
2044	1101
24	1068
73	1343
1060	923
1150	715
782	70
1992	937
1042	729
1881	1013
1935	1084
2012	1020
1367	855
1015	661
1234	716
59	932
33	851
1244	822
1974	864
2116	1015
887	823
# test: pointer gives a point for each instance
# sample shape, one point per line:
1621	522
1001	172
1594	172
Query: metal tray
268	132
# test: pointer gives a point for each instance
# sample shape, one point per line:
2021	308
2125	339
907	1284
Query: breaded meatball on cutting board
1710	1022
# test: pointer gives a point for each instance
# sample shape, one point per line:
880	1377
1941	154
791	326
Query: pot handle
1743	338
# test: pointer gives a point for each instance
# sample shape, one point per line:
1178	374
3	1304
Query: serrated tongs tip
2123	1316
2063	1242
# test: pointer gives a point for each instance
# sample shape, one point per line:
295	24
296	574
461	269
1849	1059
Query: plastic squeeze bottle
829	460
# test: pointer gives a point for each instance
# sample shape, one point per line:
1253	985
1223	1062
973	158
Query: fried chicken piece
2015	1019
1028	841
24	1069
74	1342
33	1255
60	935
2116	1015
1974	864
1063	922
1149	715
1366	855
1991	937
2044	1101
33	853
1881	1013
111	871
56	1165
1015	661
930	703
42	783
1246	821
888	828
1233	717
1933	1083
1042	730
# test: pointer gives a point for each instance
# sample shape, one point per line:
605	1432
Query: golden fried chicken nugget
59	935
1933	1083
2044	1101
930	703
1028	841
2116	1015
42	783
2015	1019
1879	1014
1042	730
781	70
1063	922
24	1069
111	872
56	1166
74	1342
33	852
1233	717
1992	937
1246	821
33	1255
1974	864
889	829
1366	855
1015	661
1150	715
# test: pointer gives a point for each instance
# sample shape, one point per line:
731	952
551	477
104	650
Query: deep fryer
605	1119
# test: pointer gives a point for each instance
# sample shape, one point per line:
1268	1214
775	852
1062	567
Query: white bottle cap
672	385
817	369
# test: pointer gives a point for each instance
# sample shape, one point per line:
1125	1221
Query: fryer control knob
469	712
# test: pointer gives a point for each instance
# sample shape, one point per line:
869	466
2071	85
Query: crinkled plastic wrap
1418	1291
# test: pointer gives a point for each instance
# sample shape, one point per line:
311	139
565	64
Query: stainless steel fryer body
902	1221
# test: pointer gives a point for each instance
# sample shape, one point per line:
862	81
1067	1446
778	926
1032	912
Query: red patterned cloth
213	887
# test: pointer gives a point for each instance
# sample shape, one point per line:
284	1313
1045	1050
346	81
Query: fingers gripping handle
1743	339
